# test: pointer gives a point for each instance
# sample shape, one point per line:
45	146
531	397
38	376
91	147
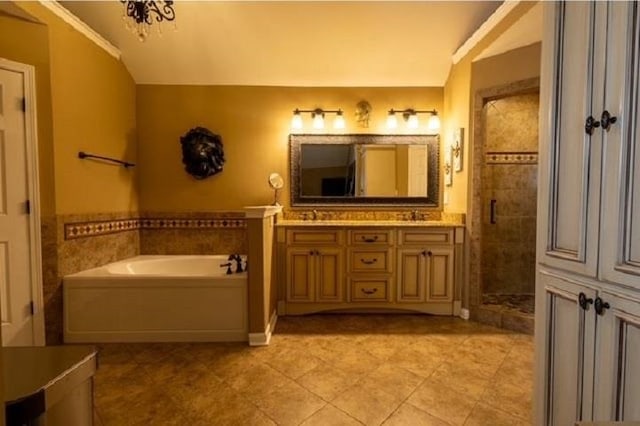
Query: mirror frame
433	174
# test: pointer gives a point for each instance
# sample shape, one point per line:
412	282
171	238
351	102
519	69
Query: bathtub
156	299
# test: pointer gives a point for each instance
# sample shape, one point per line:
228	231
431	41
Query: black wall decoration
202	153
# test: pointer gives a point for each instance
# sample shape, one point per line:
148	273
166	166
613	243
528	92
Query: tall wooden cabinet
588	274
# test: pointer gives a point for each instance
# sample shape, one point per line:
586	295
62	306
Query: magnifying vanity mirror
276	183
364	169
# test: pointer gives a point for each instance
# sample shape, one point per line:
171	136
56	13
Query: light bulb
434	122
392	121
338	123
296	121
412	121
318	120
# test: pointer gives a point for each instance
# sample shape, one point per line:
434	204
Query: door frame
473	296
33	188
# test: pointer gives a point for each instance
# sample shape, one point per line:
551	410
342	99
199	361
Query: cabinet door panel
411	273
329	275
620	260
299	275
574	157
567	351
440	275
618	364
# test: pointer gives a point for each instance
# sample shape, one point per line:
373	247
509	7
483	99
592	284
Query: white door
15	246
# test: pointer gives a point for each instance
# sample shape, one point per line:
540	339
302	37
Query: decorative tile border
511	158
95	228
105	227
192	223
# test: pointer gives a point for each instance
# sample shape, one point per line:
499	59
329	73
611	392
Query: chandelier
144	12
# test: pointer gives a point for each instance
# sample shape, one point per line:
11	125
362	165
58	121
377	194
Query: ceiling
525	31
297	43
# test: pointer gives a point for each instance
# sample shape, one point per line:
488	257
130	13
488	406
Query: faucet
238	260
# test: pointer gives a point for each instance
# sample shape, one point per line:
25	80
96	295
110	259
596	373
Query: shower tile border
85	229
511	158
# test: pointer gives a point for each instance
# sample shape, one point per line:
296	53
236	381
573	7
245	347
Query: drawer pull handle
370	239
600	306
368	290
369	262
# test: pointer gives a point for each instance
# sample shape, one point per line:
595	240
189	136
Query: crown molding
81	27
493	20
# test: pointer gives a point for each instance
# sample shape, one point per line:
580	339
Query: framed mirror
357	169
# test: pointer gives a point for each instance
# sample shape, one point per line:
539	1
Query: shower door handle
492	210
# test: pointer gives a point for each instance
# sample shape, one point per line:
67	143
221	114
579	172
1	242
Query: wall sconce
411	118
317	117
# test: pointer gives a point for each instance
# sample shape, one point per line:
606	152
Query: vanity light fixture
317	117
410	116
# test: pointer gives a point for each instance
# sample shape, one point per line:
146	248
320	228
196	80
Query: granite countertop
370	223
29	370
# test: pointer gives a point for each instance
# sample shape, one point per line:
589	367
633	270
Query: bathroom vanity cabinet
588	273
368	268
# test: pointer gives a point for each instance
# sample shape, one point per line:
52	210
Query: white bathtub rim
104	272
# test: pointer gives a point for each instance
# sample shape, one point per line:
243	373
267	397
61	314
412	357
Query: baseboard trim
464	313
263	339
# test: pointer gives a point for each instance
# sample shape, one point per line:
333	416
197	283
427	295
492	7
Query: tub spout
228	266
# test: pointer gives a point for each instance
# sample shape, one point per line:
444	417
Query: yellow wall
254	123
28	43
515	65
458	98
92	98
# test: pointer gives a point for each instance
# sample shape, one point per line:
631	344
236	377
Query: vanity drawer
370	260
318	237
370	237
367	289
424	236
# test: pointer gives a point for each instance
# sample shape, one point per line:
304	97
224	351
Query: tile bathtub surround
168	233
325	370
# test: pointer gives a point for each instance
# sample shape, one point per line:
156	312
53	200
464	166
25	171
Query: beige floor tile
257	380
294	363
415	361
483	415
408	415
330	416
356	361
327	381
394	380
508	397
230	408
457	377
442	402
369	404
289	404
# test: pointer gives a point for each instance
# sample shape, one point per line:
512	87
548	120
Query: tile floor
325	370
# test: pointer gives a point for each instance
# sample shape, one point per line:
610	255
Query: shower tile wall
509	176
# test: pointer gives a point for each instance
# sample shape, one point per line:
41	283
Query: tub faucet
238	260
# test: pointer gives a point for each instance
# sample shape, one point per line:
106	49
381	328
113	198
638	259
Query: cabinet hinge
32	307
27	206
24	104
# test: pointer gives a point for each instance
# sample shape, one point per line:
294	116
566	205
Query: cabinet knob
590	124
426	253
600	305
606	120
584	301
